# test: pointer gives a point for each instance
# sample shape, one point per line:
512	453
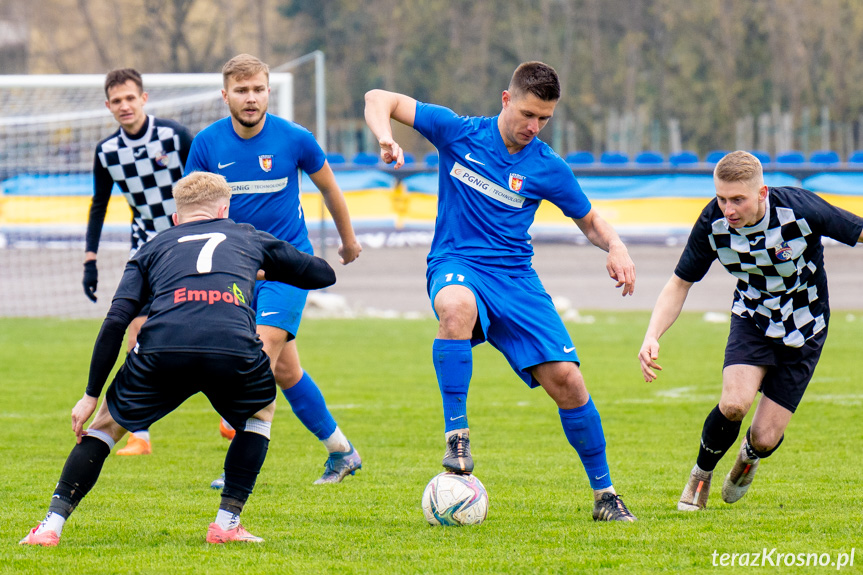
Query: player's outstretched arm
665	313
325	181
285	263
620	266
381	106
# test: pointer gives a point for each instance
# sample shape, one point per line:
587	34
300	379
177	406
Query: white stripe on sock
258	426
102	436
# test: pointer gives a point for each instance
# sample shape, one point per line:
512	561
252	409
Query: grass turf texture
150	514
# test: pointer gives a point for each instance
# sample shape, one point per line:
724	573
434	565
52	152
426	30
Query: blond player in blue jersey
261	155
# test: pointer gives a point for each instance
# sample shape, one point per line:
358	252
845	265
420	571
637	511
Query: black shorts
149	386
789	369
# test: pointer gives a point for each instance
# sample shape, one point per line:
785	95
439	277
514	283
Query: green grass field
150	514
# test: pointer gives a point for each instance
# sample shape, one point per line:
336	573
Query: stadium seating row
646	158
684	158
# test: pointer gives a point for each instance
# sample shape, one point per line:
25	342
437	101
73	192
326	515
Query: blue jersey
263	172
487	197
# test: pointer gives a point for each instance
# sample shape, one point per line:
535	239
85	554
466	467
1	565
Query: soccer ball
453	499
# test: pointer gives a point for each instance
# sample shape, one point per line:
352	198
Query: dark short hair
535	78
121	76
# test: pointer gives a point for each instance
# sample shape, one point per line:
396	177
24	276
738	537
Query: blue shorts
279	305
789	369
515	315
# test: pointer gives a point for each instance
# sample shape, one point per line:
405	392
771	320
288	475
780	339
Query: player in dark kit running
199	337
145	158
770	240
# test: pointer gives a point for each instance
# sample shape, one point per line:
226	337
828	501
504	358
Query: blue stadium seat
649	157
763	157
790	157
409	159
334	158
714	156
824	157
431	159
580	158
683	158
614	158
366	159
856	157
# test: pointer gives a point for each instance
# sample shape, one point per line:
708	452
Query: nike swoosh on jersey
568	349
469	159
266	313
222	166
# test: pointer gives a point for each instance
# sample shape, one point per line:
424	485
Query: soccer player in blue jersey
770	240
261	155
200	337
145	158
493	174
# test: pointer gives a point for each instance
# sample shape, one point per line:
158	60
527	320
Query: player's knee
457	320
764	440
287	375
733	410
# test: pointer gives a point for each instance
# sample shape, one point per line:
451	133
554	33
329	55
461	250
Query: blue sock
583	429
453	364
309	406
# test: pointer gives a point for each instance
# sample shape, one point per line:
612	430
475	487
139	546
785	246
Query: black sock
242	464
79	475
719	433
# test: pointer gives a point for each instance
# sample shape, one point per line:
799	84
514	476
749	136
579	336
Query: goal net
49	128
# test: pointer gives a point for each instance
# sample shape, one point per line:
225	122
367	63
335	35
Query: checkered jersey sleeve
824	218
698	254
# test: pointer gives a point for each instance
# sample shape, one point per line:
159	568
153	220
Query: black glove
91	278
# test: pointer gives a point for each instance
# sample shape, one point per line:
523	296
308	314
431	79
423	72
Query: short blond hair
201	189
739	166
243	66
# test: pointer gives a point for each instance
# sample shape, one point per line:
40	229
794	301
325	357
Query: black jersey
779	262
201	276
145	166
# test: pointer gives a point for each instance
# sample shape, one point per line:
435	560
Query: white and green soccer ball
454	499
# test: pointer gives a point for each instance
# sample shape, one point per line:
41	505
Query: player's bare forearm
665	313
381	106
338	208
620	266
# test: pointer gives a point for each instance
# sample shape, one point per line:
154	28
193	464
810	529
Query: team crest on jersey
516	181
266	162
783	252
161	160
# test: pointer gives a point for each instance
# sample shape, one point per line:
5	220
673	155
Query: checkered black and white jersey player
778	262
145	166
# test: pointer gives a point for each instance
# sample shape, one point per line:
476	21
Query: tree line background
636	74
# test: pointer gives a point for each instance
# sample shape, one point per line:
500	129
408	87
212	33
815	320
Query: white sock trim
258	426
337	442
102	436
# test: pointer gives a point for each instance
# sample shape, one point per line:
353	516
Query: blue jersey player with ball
494	173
